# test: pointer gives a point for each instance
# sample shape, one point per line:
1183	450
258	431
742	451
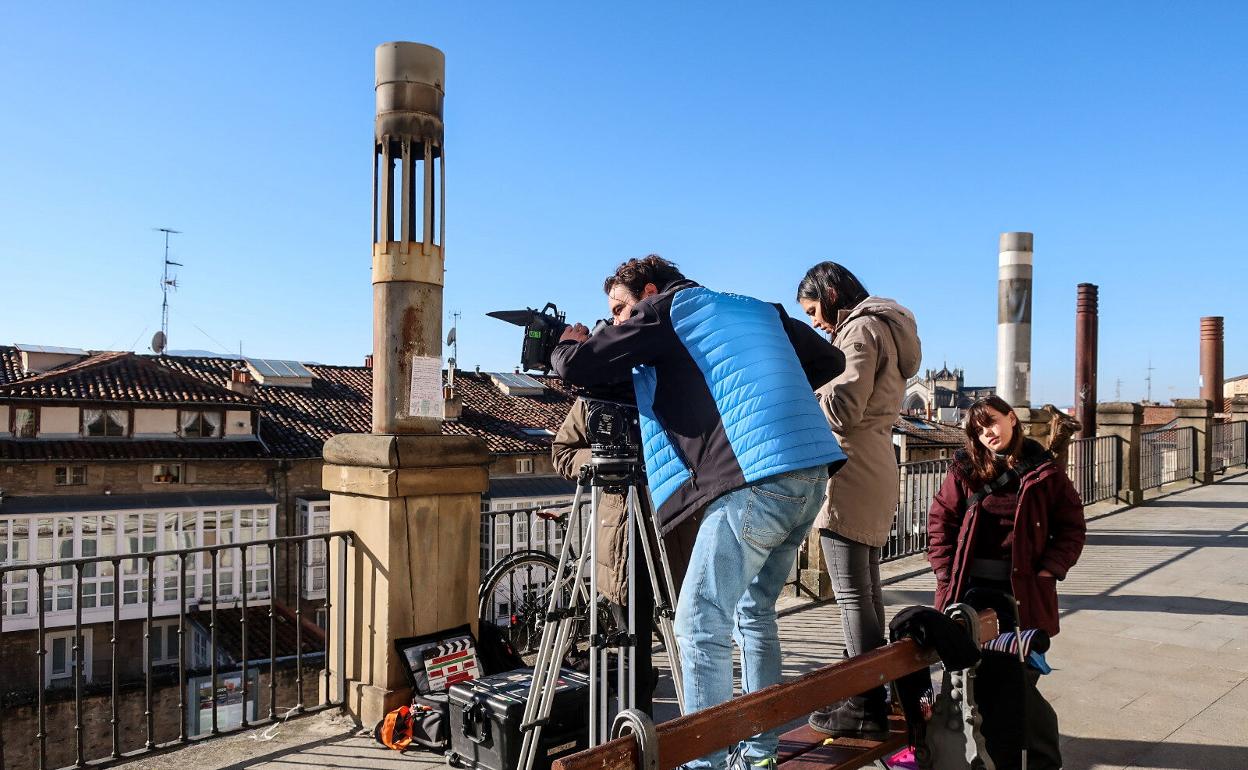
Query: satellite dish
158	342
450	338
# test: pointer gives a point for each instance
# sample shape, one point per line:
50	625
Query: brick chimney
241	381
368	360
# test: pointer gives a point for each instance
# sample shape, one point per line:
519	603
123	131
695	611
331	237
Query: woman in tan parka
880	341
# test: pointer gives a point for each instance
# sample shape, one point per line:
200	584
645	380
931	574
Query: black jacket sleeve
610	355
821	360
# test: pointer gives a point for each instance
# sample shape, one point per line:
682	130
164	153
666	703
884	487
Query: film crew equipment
541	333
615	467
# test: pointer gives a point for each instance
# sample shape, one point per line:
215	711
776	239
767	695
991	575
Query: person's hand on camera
575	332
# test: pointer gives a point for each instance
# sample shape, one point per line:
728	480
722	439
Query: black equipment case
485	716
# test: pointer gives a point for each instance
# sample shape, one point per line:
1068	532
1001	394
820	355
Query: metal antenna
1118	390
1149	380
452	339
166	283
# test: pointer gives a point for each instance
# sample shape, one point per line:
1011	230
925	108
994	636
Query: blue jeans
741	559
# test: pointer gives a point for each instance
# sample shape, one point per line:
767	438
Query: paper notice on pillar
425	398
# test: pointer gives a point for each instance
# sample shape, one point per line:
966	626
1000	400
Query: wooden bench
694	735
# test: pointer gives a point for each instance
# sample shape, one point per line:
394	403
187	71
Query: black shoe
862	716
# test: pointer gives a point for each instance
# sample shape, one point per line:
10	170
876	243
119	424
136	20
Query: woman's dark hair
985	466
829	275
639	271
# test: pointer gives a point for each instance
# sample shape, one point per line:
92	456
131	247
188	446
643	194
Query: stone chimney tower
409	185
1014	319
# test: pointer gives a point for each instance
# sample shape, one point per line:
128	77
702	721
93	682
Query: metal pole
1211	361
1014	270
1086	322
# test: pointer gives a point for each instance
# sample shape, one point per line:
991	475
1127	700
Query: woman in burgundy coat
1023	537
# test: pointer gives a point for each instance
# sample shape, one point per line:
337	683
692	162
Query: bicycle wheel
515	595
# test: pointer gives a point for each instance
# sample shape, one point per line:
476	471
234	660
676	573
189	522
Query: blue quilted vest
769	414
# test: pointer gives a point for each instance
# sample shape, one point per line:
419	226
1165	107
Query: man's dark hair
639	271
830	275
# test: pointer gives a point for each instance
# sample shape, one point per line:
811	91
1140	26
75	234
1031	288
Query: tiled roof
294	422
500	419
929	431
118	377
10	364
130	449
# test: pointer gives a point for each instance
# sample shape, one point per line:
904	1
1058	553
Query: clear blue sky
744	141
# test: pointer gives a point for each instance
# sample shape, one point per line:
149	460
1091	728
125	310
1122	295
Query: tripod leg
557	636
664	586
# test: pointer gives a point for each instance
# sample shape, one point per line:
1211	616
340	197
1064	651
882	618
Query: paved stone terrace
1151	667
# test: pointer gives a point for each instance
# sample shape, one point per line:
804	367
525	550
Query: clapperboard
450	662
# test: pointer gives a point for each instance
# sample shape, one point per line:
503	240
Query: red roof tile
294	422
119	377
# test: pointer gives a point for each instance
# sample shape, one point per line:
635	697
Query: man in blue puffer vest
730	425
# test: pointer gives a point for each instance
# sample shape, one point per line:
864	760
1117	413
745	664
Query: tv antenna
1118	390
452	338
160	341
1148	381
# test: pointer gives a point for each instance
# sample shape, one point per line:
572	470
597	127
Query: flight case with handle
485	716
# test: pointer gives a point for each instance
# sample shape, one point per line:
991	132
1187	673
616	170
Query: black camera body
612	421
542	329
613	428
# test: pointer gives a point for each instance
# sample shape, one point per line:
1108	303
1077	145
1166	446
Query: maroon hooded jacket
1049	532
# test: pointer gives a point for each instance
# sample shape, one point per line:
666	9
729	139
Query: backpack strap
1009	476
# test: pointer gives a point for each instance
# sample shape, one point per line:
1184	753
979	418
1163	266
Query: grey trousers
855	571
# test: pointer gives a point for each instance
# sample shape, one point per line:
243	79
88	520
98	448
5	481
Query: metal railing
1094	467
1167	456
919	481
532	528
258	588
1230	445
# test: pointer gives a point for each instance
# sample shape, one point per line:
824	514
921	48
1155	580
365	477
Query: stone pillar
1198	413
414	503
1014	267
812	571
1123	419
1035	423
411	496
1238	408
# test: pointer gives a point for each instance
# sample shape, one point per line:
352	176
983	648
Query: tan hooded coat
880	341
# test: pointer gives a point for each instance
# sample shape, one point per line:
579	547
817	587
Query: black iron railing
1093	466
141	587
1230	445
1167	456
919	482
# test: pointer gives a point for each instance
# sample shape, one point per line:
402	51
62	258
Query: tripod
605	472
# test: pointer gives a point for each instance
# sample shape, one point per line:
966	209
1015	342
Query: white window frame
164	631
26	538
51	677
496	530
314	520
524	465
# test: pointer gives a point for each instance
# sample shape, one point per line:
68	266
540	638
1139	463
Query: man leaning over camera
730	427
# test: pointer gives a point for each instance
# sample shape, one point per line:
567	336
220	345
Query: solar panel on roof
273	367
25	348
513	380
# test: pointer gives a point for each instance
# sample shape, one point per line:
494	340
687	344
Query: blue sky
744	141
